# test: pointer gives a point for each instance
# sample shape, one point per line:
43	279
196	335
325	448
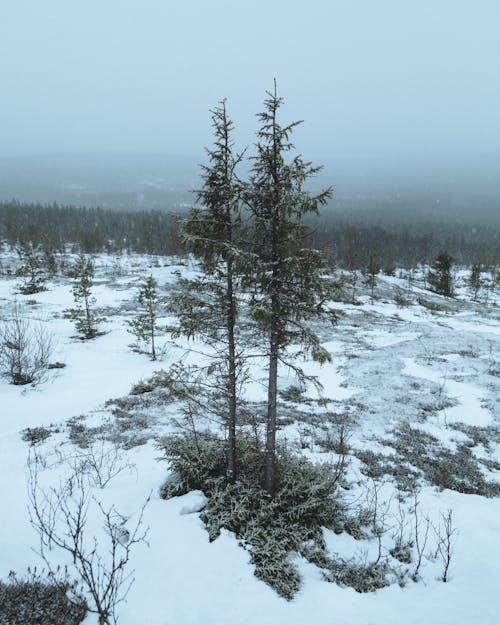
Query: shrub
457	469
271	528
36	435
361	577
25	349
40	601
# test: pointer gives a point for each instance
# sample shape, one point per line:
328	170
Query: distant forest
347	239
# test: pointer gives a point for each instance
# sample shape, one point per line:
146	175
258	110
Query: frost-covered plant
457	469
272	528
41	600
36	435
362	577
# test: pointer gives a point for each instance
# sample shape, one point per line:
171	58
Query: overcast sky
395	78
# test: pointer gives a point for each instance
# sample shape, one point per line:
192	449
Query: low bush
361	577
456	469
36	435
272	529
39	600
25	349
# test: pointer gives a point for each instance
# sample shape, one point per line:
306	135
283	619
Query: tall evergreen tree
207	307
288	279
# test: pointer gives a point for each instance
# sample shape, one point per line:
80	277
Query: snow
181	578
469	407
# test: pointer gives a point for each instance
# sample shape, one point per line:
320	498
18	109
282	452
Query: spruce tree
474	280
371	272
440	277
31	270
84	316
144	325
287	279
207	307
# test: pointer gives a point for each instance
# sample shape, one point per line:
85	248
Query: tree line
88	230
347	241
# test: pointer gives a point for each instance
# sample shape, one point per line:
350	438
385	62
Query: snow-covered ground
392	366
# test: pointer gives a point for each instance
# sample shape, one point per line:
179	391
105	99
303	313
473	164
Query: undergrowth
272	529
40	600
418	454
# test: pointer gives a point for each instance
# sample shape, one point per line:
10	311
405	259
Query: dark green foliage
89	230
440	277
36	600
32	269
85	319
208	306
474	280
304	501
144	326
288	280
347	233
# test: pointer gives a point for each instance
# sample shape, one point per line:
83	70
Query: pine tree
31	270
288	280
474	280
86	321
440	277
144	325
371	272
207	307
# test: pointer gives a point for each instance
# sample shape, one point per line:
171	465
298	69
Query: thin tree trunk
153	351
272	393
276	255
87	316
231	314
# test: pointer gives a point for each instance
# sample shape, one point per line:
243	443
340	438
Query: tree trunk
153	350
231	320
272	392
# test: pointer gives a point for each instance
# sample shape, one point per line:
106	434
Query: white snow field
392	366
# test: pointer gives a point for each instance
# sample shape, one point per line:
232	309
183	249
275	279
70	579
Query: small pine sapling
144	326
31	270
85	319
475	281
440	277
370	273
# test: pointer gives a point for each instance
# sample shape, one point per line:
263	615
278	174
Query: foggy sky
391	79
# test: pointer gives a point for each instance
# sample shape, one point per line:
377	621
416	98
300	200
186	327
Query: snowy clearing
392	367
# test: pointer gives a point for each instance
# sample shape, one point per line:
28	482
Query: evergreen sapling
85	319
